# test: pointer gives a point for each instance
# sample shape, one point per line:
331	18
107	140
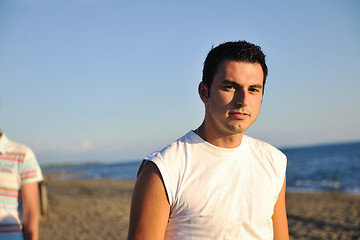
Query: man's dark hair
240	51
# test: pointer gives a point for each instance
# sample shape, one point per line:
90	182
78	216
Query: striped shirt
18	166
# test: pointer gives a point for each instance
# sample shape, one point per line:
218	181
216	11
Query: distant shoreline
317	145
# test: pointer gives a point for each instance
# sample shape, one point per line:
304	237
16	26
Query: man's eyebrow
229	82
257	86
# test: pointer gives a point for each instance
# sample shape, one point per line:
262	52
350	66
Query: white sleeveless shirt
218	193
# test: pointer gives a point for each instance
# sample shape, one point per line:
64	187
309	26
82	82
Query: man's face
235	97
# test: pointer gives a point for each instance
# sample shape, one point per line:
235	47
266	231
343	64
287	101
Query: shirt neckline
219	150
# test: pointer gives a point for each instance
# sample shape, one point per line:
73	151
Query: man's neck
219	140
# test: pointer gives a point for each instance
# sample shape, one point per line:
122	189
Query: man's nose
241	97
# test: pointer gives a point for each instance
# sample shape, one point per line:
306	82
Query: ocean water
324	168
333	167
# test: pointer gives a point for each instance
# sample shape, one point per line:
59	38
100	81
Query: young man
215	182
19	196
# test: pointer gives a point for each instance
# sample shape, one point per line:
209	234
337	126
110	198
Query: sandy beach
99	209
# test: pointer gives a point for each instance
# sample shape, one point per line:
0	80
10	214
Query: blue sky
106	80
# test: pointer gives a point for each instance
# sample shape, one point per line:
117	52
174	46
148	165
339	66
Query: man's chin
235	130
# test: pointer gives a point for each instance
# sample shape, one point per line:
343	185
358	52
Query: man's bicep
30	195
150	207
280	224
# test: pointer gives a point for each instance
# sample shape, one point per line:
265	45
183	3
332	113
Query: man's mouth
239	114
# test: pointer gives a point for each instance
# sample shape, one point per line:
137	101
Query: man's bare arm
280	224
150	207
30	195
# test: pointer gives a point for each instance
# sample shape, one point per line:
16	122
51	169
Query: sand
99	209
87	209
323	216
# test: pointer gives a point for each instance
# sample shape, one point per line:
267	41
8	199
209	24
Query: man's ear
203	92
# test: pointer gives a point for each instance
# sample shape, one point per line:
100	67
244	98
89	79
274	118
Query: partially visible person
19	194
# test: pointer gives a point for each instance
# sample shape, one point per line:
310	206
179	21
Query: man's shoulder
180	142
261	145
19	149
174	148
170	156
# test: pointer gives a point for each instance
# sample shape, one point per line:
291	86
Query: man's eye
229	87
254	90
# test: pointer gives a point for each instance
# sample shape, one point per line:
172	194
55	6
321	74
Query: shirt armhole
282	168
141	167
163	178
